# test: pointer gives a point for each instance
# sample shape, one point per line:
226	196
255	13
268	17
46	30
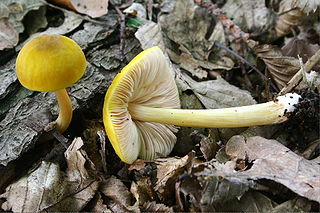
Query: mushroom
52	63
142	105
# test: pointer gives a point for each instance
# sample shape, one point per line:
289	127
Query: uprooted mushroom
142	105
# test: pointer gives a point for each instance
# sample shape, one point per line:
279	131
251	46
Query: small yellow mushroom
52	63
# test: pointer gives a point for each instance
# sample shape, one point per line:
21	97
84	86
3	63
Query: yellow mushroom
142	105
52	63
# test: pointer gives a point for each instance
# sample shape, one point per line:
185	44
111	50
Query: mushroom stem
65	113
259	114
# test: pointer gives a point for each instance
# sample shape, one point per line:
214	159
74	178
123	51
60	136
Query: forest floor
221	54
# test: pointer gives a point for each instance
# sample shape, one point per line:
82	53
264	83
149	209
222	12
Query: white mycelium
289	100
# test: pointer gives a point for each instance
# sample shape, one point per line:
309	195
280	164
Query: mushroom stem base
65	110
253	115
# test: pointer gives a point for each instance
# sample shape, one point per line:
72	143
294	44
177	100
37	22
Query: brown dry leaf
99	206
281	68
80	186
168	171
143	191
306	6
36	191
300	48
249	15
272	160
189	27
9	37
121	198
47	188
92	8
189	193
149	35
156	207
217	93
290	17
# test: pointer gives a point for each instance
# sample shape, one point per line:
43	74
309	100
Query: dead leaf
99	206
156	207
251	202
48	189
92	8
272	160
189	193
76	159
300	48
290	17
80	187
306	6
149	35
143	190
36	191
189	28
121	198
249	15
281	68
218	93
71	21
168	171
9	37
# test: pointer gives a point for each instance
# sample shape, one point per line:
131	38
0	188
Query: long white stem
260	114
65	110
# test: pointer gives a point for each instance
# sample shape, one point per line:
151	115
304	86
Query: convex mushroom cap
52	63
145	81
49	63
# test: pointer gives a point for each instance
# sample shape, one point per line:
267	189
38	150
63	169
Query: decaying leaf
272	160
12	14
168	170
99	206
217	93
290	17
300	48
249	15
149	35
189	27
71	21
80	187
143	191
9	37
35	192
155	207
92	8
306	6
281	68
121	198
48	188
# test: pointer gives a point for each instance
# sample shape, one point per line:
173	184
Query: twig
218	44
295	80
234	29
122	28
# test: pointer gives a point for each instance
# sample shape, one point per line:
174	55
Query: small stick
218	44
234	29
122	28
295	80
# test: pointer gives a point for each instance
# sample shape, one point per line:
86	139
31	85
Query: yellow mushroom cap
145	81
49	63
